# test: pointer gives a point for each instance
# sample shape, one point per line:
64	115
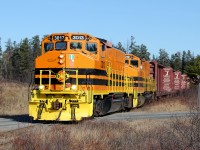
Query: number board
78	37
59	37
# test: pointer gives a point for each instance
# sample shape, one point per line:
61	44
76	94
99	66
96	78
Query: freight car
168	82
80	76
163	77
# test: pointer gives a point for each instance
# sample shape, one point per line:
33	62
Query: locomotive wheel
141	101
123	106
98	108
155	98
130	103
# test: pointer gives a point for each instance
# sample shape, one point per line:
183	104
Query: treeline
17	59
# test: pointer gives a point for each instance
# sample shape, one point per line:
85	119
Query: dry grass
13	98
165	105
84	136
146	134
183	102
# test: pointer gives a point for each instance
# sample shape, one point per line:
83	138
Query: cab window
48	47
61	45
103	47
91	47
75	45
134	63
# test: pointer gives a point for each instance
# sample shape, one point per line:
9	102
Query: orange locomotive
80	76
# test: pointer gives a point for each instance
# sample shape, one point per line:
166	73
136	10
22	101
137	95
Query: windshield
61	45
75	45
48	46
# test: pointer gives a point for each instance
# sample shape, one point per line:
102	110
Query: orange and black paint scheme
80	76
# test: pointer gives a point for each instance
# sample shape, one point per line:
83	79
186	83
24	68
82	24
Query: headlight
41	87
73	87
61	61
61	56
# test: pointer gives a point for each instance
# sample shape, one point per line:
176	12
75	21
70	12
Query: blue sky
173	25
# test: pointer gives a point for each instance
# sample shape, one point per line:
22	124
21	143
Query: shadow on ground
18	118
26	119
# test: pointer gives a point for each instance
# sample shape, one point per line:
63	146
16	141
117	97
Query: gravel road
144	115
8	123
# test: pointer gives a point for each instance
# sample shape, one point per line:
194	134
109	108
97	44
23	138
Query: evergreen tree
26	60
163	58
193	71
139	50
189	58
154	57
143	52
183	62
7	68
133	48
120	47
15	59
35	45
175	61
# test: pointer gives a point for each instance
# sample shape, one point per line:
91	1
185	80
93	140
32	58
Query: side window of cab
91	47
134	63
48	47
126	61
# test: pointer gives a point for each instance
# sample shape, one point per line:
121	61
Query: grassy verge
145	134
13	98
185	101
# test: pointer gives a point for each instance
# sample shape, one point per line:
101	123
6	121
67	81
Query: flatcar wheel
141	101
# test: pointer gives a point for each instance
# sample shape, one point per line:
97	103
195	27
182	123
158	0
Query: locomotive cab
66	51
